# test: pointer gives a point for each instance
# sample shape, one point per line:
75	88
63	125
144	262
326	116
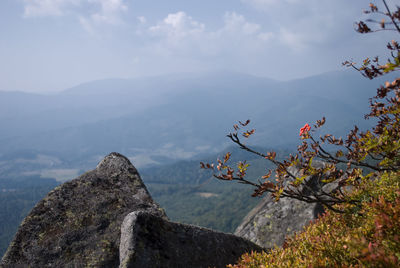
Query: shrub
369	238
361	227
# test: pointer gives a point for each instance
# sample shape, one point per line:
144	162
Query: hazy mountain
160	119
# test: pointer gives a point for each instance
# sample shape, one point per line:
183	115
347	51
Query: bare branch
391	16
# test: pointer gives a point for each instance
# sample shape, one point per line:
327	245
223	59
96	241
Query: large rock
270	222
78	223
151	241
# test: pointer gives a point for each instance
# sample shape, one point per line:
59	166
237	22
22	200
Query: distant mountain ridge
178	117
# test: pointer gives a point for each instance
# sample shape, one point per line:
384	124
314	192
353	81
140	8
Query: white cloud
236	23
180	40
276	38
177	26
109	11
177	34
290	34
90	13
180	30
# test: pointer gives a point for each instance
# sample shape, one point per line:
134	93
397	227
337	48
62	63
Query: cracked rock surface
78	224
148	240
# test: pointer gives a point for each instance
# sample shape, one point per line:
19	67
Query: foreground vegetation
369	237
361	227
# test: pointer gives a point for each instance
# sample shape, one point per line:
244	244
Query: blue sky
50	45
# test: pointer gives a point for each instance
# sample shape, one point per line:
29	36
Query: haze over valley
159	120
163	83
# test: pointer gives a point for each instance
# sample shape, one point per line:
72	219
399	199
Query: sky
51	45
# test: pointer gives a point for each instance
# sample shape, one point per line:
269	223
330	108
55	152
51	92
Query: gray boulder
270	222
78	223
148	240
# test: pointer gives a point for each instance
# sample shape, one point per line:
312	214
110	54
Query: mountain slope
177	118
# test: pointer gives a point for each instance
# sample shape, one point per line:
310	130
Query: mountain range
158	120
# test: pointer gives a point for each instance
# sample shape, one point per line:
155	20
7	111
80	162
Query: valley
165	125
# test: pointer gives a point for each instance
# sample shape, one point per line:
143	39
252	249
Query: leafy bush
369	238
361	227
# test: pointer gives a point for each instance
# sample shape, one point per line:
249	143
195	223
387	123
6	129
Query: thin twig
362	164
391	16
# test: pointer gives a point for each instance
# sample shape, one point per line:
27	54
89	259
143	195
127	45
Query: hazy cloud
302	24
269	3
181	32
277	38
236	23
142	19
38	8
89	12
108	12
267	36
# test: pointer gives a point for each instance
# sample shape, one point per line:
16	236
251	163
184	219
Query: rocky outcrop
270	222
151	241
78	223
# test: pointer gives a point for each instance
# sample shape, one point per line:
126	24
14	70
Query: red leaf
245	123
